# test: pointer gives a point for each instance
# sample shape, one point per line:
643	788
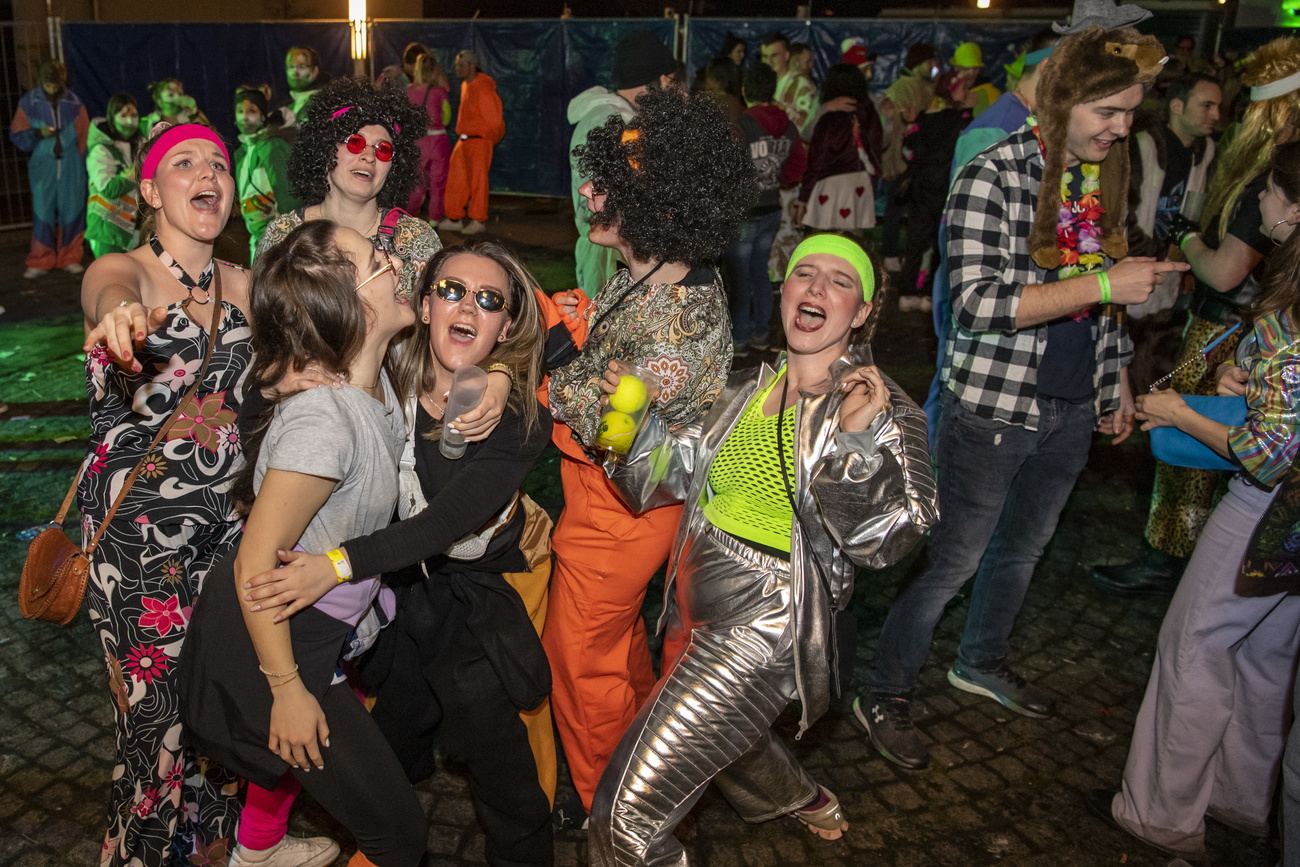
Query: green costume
112	206
262	182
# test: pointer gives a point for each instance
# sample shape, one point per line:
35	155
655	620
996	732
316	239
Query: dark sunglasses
357	144
452	291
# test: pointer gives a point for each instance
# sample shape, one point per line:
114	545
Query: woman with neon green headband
799	475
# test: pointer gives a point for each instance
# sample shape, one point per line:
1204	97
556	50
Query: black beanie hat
640	58
918	54
253	95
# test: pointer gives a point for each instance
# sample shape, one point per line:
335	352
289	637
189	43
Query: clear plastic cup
627	407
467	387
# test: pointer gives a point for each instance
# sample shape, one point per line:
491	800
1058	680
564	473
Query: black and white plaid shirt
991	365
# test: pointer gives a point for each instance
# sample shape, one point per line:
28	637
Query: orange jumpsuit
479	126
595	637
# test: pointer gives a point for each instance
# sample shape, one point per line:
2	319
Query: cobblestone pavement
1003	789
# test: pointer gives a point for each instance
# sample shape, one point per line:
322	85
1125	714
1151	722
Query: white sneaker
909	303
289	852
446	225
74	268
32	273
474	228
893	263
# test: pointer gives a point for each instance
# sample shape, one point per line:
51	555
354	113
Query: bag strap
162	431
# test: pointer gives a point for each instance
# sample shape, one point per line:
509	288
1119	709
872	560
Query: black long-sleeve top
463	495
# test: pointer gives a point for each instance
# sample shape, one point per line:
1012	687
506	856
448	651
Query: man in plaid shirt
1034	366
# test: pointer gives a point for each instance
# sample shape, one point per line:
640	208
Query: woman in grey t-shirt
322	470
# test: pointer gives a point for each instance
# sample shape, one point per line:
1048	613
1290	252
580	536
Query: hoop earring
1276	243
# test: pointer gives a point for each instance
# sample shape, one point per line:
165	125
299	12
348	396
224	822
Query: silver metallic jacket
874	491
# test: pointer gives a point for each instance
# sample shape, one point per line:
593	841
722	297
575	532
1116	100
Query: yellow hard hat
967	54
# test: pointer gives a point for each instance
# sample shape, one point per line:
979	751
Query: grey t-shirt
349	436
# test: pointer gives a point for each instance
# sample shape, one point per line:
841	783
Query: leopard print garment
1183	497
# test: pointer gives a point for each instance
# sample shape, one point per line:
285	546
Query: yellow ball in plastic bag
630	397
616	432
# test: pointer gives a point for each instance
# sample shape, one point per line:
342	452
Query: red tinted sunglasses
357	144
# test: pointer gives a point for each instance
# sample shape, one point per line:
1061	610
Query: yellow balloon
616	432
631	395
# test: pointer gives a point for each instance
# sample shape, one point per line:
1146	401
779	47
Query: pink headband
174	136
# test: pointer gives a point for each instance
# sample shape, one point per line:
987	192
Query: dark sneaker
1005	687
1153	574
888	721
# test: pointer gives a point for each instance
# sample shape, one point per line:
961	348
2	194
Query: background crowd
1110	234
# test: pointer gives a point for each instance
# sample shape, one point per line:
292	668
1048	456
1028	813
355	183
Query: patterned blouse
1269	441
413	241
681	333
187	480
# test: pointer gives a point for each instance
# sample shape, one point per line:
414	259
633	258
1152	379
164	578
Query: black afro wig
326	125
677	178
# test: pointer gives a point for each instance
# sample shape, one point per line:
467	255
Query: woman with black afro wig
668	191
355	163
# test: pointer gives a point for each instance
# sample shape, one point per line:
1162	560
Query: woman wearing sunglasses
800	475
463	659
261	696
355	162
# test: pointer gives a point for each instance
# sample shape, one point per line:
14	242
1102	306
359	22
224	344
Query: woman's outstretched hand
865	397
302	579
123	329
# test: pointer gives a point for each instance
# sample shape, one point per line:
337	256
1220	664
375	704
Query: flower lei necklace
1077	235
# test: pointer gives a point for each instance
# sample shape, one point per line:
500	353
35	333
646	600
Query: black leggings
364	787
443	687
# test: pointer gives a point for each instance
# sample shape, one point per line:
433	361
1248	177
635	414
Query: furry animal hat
1085	67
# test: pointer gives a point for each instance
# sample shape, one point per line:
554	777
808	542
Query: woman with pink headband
150	315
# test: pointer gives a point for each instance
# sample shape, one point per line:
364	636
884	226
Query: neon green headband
837	245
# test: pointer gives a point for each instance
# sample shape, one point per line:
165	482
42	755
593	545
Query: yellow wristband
1103	279
503	368
341	566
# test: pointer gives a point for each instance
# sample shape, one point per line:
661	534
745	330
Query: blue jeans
1001	492
751	294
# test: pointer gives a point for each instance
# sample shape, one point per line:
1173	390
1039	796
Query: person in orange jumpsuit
479	126
666	313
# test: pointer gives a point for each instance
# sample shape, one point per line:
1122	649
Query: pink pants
435	154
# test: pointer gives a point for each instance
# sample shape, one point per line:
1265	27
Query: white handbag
411	501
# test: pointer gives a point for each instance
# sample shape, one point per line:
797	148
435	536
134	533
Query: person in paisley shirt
355	162
668	190
149	322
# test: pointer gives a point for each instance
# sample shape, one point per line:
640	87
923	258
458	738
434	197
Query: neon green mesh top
746	496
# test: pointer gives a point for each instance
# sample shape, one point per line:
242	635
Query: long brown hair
1282	281
521	351
1265	125
304	308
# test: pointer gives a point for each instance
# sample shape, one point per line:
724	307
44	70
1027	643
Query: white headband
1261	92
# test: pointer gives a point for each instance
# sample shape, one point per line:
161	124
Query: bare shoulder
112	269
234	283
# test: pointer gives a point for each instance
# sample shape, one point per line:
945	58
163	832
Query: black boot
1155	573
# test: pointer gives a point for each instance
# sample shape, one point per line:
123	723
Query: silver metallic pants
709	718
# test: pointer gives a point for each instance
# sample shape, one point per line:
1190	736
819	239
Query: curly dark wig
679	188
315	153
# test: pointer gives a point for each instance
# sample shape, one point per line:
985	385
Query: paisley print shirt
413	241
681	333
187	479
